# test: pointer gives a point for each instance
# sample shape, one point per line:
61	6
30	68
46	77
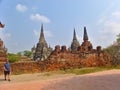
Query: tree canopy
114	51
25	53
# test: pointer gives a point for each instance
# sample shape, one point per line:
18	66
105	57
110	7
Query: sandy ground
105	80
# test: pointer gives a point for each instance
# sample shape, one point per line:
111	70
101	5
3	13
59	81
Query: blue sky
23	19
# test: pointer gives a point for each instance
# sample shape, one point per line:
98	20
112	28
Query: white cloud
38	17
109	28
21	8
113	27
116	14
111	23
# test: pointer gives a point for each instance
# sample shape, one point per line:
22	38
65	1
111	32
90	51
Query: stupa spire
74	35
75	43
85	37
42	38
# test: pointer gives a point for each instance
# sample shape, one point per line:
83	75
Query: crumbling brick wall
62	59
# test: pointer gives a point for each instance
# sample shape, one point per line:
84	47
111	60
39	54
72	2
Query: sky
23	19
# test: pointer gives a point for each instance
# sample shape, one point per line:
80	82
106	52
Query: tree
27	53
13	57
118	38
114	51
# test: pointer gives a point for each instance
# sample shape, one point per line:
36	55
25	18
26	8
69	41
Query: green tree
114	51
13	57
118	38
27	53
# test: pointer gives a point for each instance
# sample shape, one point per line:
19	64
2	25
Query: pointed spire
74	35
42	39
75	43
85	37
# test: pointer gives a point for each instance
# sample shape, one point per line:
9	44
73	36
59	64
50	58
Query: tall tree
27	53
114	51
118	38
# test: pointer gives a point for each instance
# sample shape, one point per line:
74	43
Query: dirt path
106	80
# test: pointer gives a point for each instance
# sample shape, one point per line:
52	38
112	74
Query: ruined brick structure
83	54
62	58
3	52
75	44
41	51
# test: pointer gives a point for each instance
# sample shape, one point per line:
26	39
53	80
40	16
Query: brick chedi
86	45
41	51
75	44
80	55
62	58
3	52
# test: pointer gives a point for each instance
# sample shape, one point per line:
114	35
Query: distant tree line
25	53
13	57
16	57
114	51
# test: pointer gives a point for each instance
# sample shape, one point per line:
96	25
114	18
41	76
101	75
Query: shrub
13	57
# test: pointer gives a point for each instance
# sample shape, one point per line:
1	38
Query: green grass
89	70
81	71
76	71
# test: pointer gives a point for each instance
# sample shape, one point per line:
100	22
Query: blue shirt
7	66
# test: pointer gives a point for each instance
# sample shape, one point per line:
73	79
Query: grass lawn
89	70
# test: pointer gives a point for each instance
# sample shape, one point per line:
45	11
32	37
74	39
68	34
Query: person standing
7	70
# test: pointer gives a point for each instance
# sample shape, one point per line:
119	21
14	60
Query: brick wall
55	64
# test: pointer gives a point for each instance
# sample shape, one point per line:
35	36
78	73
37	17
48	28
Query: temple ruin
83	55
41	51
3	52
3	49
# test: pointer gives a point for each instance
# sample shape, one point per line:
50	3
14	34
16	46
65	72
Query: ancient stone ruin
3	52
76	56
83	55
41	51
